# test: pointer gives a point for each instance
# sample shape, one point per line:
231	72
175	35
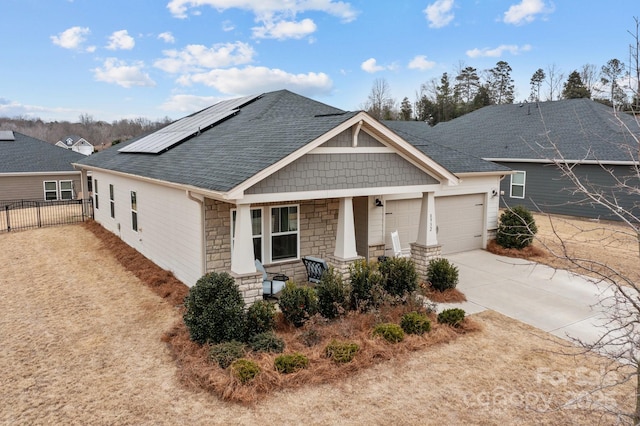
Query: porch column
427	228
242	261
346	233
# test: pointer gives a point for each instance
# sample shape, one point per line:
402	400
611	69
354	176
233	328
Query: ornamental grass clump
415	323
442	274
341	352
390	332
516	228
225	353
452	317
291	363
245	370
266	342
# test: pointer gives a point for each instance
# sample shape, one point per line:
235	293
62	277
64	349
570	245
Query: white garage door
460	222
403	216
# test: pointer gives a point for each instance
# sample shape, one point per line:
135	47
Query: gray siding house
277	177
530	138
32	169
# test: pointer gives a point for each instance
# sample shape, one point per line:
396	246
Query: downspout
356	133
200	200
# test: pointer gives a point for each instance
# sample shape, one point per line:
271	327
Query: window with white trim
95	192
256	229
112	201
66	190
518	180
284	233
134	211
50	190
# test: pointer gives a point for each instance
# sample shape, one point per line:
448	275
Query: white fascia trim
24	174
336	193
220	196
563	161
473	174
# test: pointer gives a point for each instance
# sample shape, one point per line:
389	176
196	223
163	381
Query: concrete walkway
555	301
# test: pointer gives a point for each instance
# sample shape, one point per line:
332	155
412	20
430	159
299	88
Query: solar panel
7	135
183	129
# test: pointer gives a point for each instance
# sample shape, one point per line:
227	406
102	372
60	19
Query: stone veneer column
421	256
250	287
342	265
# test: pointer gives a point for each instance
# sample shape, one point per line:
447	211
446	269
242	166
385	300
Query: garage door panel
460	222
403	216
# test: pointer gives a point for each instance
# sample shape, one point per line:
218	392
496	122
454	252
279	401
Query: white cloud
498	51
244	81
10	108
268	8
285	29
71	38
439	13
121	40
525	11
228	26
167	37
196	57
189	103
371	66
421	63
126	75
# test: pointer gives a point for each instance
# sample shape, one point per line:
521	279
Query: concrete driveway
555	301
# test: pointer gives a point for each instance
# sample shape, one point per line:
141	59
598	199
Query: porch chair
397	248
270	287
315	268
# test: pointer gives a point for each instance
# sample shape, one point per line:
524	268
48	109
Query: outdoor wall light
379	202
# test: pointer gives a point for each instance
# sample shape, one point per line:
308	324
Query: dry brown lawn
81	344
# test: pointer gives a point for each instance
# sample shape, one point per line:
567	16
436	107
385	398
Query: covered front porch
339	230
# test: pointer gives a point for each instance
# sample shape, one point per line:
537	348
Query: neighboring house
528	137
279	176
32	169
77	144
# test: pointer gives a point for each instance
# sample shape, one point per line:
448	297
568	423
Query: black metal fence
26	214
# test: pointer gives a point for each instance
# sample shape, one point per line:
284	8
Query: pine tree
501	84
536	81
575	88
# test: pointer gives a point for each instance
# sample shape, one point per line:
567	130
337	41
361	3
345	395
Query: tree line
99	133
452	96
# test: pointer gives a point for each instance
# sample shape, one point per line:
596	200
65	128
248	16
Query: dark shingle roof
262	133
417	133
580	128
30	155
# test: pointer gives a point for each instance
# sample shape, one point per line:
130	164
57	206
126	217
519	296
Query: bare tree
610	75
589	76
620	337
634	61
554	79
380	104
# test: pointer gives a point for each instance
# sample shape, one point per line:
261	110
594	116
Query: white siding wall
169	224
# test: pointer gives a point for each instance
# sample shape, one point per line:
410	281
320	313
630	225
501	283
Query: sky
114	59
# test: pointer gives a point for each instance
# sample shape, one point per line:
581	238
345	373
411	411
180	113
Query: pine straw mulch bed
197	372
